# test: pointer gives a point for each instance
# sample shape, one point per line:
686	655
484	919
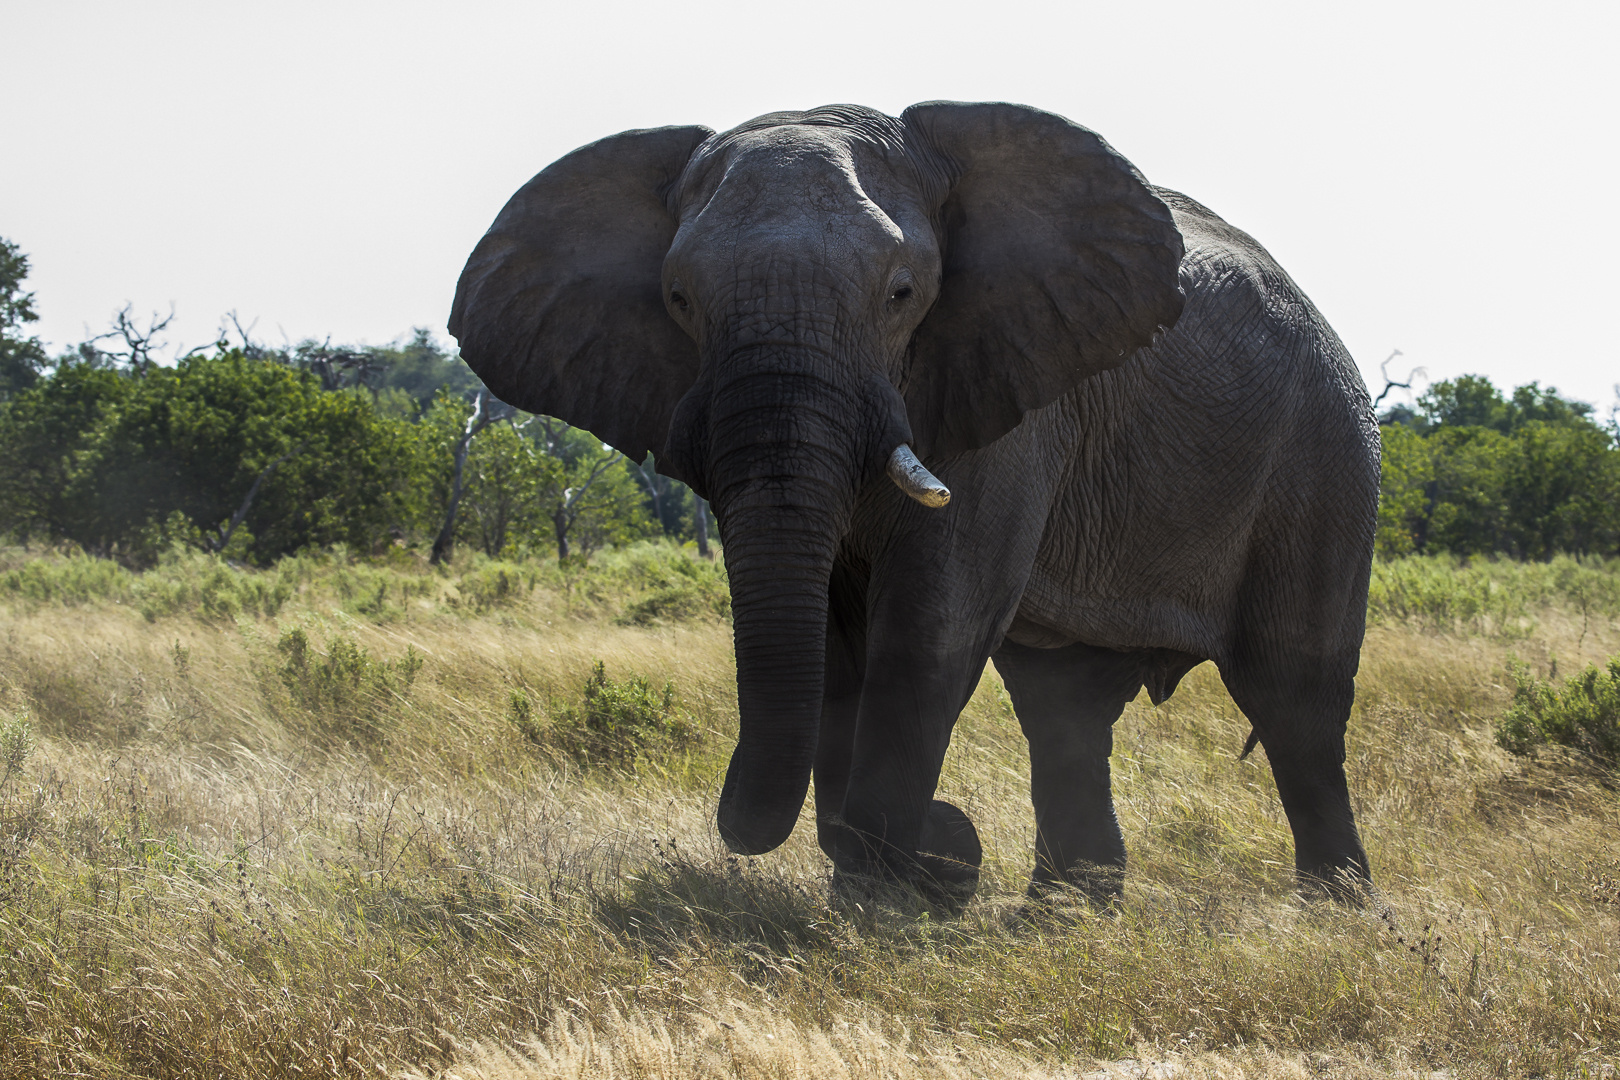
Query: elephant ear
560	307
1059	263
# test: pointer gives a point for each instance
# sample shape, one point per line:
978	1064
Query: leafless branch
1391	384
139	344
339	368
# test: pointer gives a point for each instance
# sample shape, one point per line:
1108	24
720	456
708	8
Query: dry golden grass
199	876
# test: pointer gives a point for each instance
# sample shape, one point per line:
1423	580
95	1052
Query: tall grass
209	865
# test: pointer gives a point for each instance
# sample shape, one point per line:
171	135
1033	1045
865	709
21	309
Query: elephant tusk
913	478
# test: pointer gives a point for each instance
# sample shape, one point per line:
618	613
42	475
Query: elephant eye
901	293
678	300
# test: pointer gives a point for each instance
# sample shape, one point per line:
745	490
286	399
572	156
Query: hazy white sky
1437	176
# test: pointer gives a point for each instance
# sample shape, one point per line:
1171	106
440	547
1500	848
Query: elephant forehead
827	166
788	200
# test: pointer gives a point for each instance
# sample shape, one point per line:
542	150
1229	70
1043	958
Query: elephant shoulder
1235	289
1210	238
1246	315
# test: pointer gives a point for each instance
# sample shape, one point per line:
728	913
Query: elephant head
779	310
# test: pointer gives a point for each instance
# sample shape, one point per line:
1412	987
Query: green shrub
192	582
616	721
678	588
494	584
1447	594
521	713
344	689
75	579
1581	712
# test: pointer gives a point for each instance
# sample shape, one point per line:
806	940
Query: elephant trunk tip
913	478
752	834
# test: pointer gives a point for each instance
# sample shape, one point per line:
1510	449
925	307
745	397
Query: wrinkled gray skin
1159	453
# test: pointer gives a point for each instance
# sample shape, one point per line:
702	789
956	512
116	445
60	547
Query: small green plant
621	720
1581	712
521	713
16	744
344	687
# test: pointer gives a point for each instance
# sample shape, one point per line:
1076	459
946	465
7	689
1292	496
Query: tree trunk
700	517
562	524
247	503
486	410
444	545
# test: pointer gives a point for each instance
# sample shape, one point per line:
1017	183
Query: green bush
191	582
675	586
689	590
344	689
75	579
1581	712
16	744
182	581
616	721
494	584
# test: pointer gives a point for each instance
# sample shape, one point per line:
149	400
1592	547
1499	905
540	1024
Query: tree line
1470	470
256	452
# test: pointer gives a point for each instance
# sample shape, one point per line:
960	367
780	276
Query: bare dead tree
487	410
1391	384
251	349
139	344
340	368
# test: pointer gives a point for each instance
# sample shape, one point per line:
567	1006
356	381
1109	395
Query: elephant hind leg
1067	700
1299	708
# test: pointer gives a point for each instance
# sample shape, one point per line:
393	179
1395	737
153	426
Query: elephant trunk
787	454
779	567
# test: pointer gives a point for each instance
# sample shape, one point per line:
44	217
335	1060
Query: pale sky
1436	176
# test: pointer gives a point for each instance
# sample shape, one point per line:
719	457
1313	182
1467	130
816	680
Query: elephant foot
944	870
1348	886
1101	885
949	854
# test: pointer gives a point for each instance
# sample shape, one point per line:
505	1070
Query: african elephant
1153	448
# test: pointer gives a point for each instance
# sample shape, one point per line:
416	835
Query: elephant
959	385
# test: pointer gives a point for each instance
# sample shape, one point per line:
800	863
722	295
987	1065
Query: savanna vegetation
350	816
352	723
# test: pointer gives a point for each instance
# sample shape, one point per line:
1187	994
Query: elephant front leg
892	827
841	700
944	584
1067	701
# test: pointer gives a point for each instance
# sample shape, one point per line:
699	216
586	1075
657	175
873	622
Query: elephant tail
1250	743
